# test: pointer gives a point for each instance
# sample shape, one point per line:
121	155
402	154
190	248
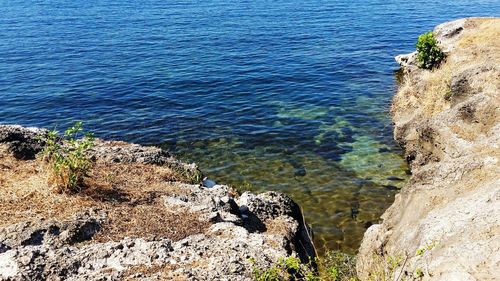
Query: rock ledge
232	228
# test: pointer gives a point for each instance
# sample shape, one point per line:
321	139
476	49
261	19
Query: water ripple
282	95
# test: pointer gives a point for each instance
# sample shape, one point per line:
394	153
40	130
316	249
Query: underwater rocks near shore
445	223
137	219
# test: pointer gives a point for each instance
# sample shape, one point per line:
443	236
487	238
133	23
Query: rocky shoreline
200	233
145	215
445	223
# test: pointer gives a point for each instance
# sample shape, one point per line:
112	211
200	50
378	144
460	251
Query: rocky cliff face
138	218
445	223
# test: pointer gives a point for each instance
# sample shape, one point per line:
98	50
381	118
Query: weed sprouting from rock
333	266
338	266
289	268
429	54
68	159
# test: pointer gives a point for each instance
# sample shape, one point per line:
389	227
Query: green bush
286	269
429	55
338	266
67	157
333	266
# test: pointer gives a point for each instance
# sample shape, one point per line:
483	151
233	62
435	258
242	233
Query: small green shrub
332	273
285	269
270	274
419	273
337	266
420	251
333	266
428	246
429	55
393	262
67	157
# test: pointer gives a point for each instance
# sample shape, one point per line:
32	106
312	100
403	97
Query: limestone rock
448	33
23	142
445	223
407	61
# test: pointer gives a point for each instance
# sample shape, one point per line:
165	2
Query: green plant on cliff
429	54
333	266
289	268
337	266
67	156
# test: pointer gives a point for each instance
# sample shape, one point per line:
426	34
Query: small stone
208	183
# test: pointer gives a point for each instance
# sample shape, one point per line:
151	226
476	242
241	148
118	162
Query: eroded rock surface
445	224
22	142
244	231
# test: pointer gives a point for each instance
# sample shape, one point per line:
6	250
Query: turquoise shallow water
264	95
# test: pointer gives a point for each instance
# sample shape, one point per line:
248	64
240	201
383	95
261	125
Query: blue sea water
264	95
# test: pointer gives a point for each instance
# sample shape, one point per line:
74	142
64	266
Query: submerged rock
394	178
300	172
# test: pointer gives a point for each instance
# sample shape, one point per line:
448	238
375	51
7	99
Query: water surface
264	95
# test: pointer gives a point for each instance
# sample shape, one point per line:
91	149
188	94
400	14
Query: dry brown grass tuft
149	221
133	183
25	195
129	193
484	43
279	226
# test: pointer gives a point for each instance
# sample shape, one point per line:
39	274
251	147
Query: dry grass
129	193
133	183
279	226
484	43
149	221
24	194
